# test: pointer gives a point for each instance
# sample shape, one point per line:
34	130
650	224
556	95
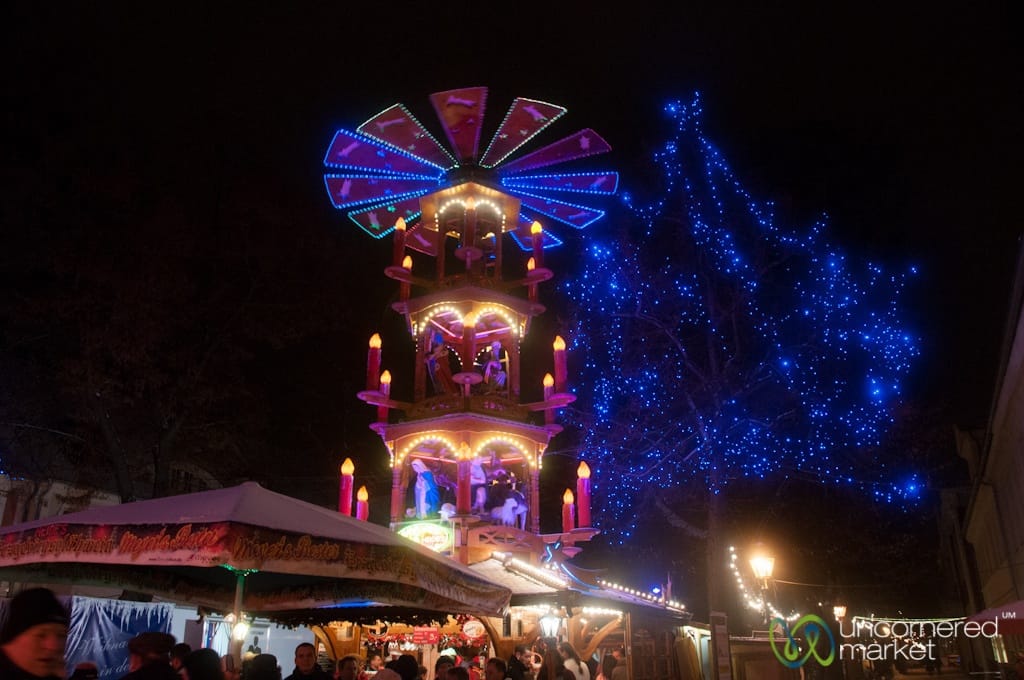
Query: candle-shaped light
537	241
549	388
373	363
560	370
385	389
404	286
345	487
463	496
531	288
568	512
399	245
362	504
583	494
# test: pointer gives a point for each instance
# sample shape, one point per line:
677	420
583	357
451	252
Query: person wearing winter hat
33	636
149	657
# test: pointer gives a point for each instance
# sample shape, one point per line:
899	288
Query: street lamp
839	611
550	625
762	566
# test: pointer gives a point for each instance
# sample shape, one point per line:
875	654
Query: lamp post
762	565
839	611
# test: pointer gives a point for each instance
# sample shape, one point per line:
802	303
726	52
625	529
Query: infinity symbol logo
814	630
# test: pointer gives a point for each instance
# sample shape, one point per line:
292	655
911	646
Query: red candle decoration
399	251
345	488
362	504
549	385
568	512
404	287
463	491
385	389
583	493
560	370
537	241
373	363
531	288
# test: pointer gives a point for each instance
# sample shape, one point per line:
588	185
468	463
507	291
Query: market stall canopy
279	554
1008	617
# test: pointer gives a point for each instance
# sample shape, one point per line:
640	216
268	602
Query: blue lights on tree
714	345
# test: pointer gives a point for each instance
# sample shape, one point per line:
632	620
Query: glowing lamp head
400	224
558	344
464	451
375	341
240	630
548	380
362	495
536	228
583	471
568	497
762	567
347	467
407	262
531	265
385	378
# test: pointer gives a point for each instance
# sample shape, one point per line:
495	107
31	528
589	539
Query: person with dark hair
347	668
305	664
495	669
263	667
553	667
204	664
406	666
608	664
572	661
149	657
457	673
441	666
33	637
179	653
520	665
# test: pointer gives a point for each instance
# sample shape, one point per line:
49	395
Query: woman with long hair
573	662
552	668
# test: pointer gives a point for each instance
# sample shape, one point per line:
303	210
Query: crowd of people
34	635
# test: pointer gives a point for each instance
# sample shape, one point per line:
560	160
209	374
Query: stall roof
531	585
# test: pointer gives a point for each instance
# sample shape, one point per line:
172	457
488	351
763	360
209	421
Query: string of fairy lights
716	344
753	598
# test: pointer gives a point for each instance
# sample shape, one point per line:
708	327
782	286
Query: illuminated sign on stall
438	536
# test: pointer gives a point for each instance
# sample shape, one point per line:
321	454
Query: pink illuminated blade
580	145
461	112
579	182
577	216
524	239
525	118
397	127
353	151
423	240
349	190
379	220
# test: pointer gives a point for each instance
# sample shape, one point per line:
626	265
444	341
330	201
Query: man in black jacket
305	664
33	637
519	667
149	657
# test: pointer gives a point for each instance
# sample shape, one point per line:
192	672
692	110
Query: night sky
901	124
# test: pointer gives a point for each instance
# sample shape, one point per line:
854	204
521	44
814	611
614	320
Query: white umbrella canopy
250	548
